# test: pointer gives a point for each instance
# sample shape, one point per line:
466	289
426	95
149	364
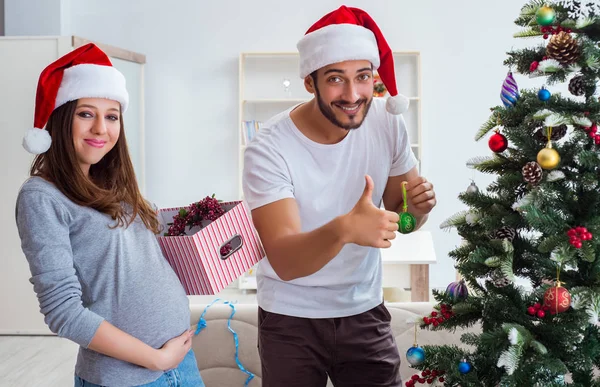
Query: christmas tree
538	221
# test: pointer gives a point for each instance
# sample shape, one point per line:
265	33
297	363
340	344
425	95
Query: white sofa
215	351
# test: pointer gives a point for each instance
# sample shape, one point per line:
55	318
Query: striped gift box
197	257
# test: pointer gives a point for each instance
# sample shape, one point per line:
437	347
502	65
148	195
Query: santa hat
350	34
85	72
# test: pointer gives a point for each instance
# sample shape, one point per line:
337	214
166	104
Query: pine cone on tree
577	86
532	173
506	232
498	279
557	133
563	48
520	191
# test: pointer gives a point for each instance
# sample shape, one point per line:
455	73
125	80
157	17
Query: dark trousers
356	350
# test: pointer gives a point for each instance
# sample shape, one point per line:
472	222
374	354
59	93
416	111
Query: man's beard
330	114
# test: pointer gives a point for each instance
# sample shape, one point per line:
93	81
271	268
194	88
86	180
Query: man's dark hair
313	75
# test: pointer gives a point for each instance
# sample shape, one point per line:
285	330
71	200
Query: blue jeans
185	375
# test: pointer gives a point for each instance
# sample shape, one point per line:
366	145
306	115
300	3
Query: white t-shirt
326	181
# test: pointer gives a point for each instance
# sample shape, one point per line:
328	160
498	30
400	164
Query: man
314	178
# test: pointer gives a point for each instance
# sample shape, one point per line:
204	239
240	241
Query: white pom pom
37	141
397	105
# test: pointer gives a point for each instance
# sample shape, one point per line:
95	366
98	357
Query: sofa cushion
215	349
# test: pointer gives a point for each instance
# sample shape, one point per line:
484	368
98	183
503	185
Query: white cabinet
22	61
269	83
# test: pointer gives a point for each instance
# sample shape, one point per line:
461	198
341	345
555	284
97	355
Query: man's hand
367	225
420	195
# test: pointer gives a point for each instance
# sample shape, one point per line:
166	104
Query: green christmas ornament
407	222
545	16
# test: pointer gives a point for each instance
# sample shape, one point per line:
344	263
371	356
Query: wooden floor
49	361
41	361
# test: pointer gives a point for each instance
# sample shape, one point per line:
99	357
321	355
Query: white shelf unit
263	94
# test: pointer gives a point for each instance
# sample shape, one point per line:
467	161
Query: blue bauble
415	355
544	94
464	367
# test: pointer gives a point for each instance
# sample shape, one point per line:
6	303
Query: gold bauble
548	158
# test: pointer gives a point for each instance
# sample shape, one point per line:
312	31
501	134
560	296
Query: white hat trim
92	81
336	43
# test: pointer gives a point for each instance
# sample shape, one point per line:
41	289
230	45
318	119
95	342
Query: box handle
230	246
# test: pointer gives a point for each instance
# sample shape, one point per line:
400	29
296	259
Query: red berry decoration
427	376
208	209
546	36
591	130
577	235
498	143
537	310
226	249
436	318
534	65
557	299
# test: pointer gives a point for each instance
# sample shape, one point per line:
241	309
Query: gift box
213	255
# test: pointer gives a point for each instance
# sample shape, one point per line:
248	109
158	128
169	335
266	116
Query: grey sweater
84	272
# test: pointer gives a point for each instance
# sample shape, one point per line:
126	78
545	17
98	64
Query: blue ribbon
202	325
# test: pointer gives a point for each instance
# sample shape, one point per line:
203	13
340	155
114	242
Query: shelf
297	100
415	248
258	54
275	100
247	282
262	76
278	54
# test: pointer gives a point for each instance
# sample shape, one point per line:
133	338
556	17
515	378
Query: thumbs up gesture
369	225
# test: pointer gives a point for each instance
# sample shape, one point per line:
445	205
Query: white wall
32	17
192	49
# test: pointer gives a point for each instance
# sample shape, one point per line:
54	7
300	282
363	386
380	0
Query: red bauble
557	299
498	143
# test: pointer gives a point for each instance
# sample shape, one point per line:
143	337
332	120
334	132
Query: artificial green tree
539	220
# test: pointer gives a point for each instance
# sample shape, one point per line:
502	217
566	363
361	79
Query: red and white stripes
196	259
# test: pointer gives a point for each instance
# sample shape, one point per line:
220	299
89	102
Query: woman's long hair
111	187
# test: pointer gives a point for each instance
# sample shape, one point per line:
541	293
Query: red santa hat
85	72
350	34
